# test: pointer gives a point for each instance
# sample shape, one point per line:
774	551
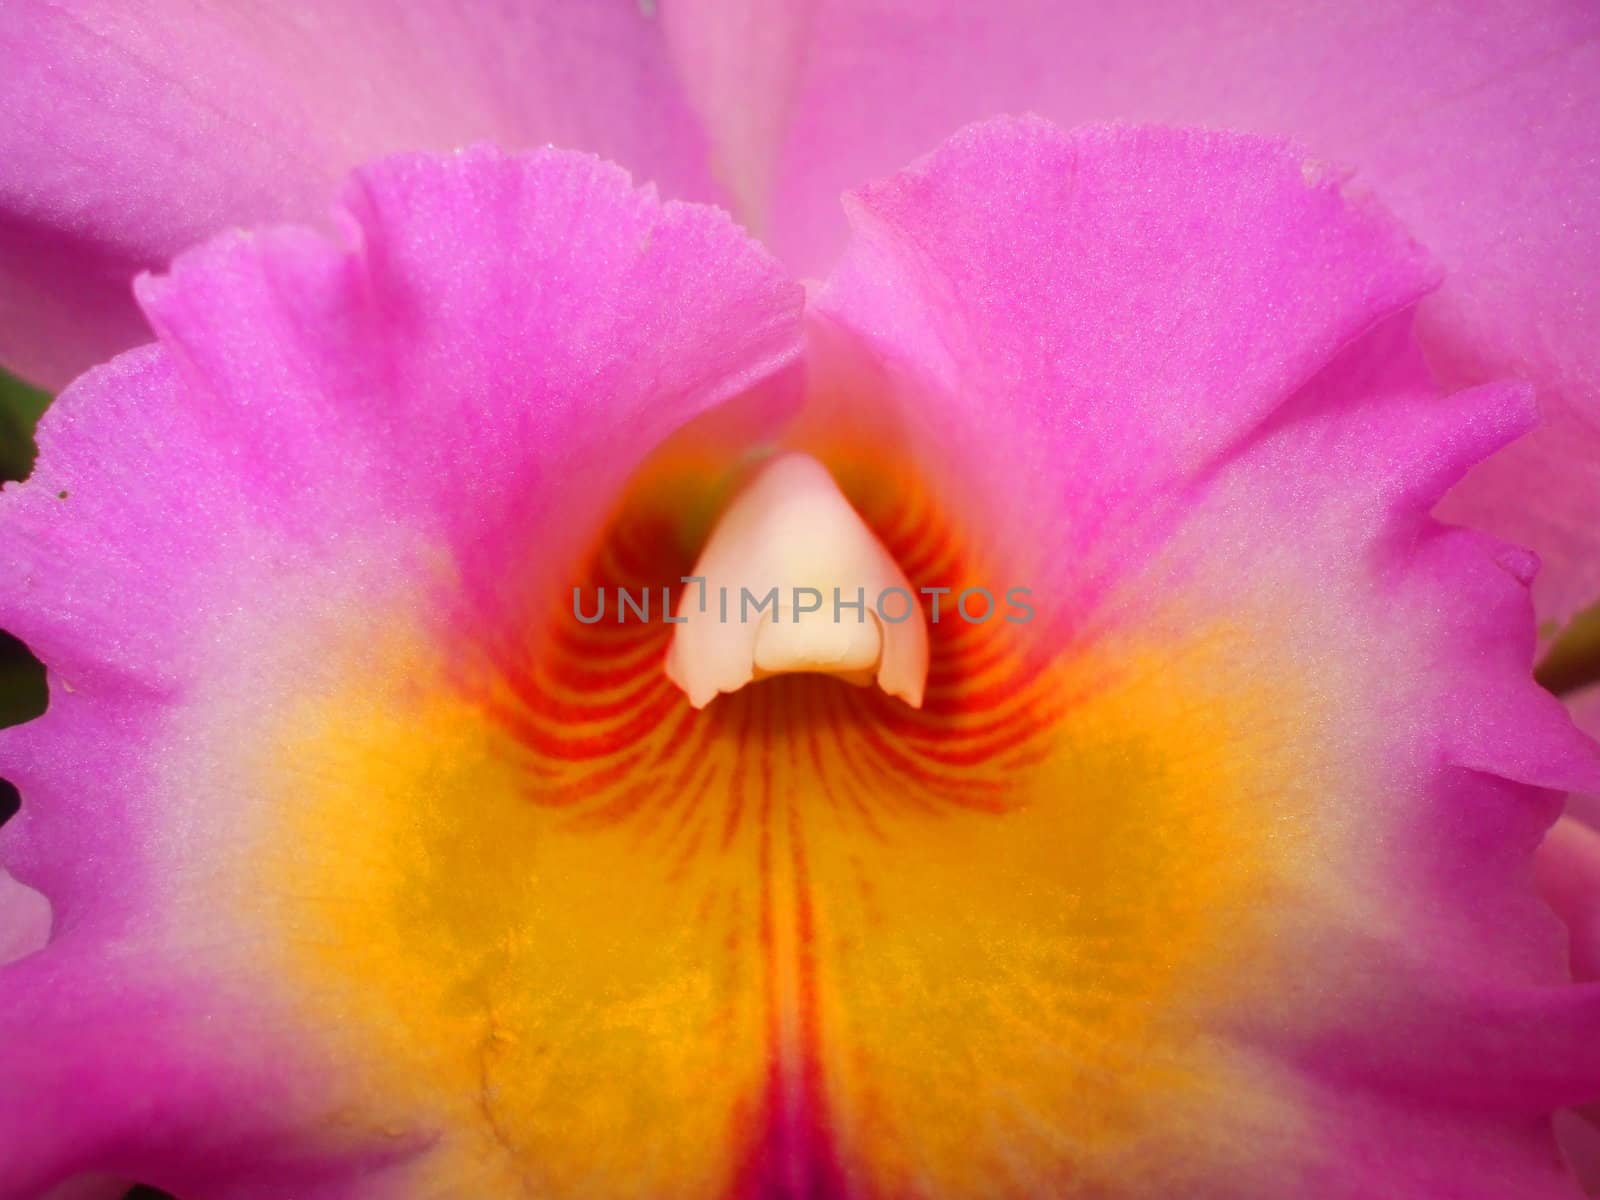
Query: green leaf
20	409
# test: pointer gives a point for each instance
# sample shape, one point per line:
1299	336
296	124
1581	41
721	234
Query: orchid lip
797	555
376	873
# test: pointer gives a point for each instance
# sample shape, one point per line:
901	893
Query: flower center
793	581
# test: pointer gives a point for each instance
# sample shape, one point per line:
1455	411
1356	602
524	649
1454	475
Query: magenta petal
124	1061
1192	366
24	919
89	1187
421	424
316	868
1476	124
1118	314
394	371
135	130
1586	709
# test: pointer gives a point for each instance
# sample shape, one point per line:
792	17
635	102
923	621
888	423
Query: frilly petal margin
1431	103
25	928
426	422
1475	124
1231	896
135	130
1111	343
1415	1006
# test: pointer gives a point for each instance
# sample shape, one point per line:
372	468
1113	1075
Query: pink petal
1476	124
1569	880
135	130
89	1187
1107	339
440	411
24	919
1569	862
1585	709
1579	1135
1199	349
1245	910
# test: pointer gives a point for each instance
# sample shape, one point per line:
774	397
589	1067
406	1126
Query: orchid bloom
378	866
136	128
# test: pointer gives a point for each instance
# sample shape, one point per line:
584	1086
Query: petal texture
24	919
135	130
1477	126
1569	878
346	454
1262	464
1213	879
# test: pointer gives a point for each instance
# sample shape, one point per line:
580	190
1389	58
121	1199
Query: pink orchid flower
377	869
136	128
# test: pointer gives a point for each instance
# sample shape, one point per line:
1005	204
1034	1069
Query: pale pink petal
1479	125
1569	880
1107	341
418	426
1585	710
1192	362
1214	881
24	919
1569	863
133	130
